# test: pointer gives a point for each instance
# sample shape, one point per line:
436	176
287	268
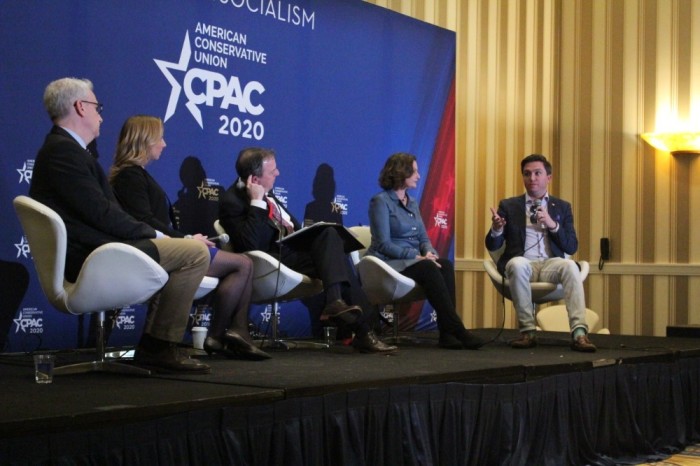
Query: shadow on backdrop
14	279
197	205
323	207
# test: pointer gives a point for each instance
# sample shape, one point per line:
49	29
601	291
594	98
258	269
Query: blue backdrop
333	86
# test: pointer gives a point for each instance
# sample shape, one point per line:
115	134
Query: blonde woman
141	142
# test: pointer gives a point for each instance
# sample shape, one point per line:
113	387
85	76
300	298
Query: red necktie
276	216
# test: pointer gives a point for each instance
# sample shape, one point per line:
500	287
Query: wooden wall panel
579	80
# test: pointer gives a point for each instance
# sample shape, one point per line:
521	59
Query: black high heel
245	349
212	345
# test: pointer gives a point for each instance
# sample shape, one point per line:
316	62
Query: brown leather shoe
339	309
371	344
169	359
526	340
583	344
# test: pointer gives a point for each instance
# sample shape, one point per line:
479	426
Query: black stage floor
86	401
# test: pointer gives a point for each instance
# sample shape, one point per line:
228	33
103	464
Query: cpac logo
23	248
440	220
127	322
33	325
210	193
267	314
25	173
204	87
200	319
339	207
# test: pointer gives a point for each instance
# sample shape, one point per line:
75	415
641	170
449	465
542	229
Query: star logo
18	323
266	314
23	248
440	220
205	191
25	174
166	68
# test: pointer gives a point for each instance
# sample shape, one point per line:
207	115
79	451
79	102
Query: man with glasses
68	179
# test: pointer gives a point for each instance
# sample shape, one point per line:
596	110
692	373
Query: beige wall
579	80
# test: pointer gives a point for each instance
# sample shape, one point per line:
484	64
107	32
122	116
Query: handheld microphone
533	210
222	238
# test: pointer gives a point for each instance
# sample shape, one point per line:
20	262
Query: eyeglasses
98	106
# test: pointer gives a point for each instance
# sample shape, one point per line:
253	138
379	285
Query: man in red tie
256	220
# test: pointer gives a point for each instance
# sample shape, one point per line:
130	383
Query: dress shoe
213	345
469	340
583	344
449	341
168	359
526	340
339	309
371	344
244	348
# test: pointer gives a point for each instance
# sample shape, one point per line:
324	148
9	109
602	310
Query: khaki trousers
186	261
521	271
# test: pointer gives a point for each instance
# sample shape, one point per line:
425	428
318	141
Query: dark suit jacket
249	228
69	180
562	242
142	197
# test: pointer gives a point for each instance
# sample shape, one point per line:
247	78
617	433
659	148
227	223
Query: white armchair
113	276
274	283
383	285
542	292
556	319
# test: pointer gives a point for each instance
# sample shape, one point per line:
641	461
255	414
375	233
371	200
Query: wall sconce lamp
674	143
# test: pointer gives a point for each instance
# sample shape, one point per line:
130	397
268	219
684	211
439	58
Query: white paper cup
199	334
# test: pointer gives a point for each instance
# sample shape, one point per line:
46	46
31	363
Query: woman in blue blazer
399	238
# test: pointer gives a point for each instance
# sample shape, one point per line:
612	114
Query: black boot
449	341
469	340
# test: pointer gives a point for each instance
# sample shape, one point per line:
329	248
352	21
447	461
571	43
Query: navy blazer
249	228
562	242
69	180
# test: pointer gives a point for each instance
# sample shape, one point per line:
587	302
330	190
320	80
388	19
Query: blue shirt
398	231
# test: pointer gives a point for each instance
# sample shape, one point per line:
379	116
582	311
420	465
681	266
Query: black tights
232	296
439	286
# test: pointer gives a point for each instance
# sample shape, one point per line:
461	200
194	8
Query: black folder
301	239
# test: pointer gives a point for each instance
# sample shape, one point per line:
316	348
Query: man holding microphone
538	232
